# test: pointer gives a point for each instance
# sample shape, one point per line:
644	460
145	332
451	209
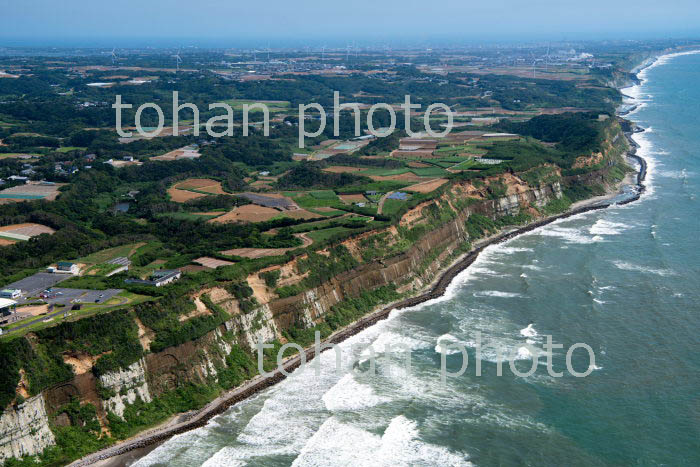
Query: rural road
58	311
381	202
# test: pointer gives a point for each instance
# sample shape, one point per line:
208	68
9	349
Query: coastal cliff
311	289
24	430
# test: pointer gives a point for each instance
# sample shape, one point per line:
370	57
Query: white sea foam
349	394
599	302
682	174
225	457
529	331
507	250
568	234
497	293
400	445
604	227
447	342
625	266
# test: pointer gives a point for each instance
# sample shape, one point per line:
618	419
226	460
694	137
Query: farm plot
194	188
32	190
187	152
427	187
248	213
24	231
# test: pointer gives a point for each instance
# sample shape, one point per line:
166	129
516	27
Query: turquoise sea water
625	281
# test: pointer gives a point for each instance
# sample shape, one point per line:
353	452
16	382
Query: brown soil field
49	192
261	184
342	169
211	263
300	214
182	153
254	252
180	196
179	193
418	164
29	229
248	213
262	252
5	242
427	187
405	177
359	198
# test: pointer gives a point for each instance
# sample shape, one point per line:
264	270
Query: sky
234	22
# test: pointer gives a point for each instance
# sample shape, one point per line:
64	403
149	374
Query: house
8	311
10	293
158	278
18	178
165	277
64	267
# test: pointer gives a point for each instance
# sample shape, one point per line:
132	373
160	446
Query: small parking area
62	296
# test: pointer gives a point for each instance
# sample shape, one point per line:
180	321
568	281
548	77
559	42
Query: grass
391	206
324	194
325	234
70	148
307	201
273	107
429	171
465	165
382	186
110	253
384	172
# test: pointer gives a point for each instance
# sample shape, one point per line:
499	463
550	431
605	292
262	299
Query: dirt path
381	202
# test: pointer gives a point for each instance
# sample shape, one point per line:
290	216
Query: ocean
625	281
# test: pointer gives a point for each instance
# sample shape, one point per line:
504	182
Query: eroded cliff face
25	430
125	386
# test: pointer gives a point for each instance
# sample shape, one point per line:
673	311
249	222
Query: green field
110	253
70	148
384	172
429	171
391	206
273	106
325	234
324	194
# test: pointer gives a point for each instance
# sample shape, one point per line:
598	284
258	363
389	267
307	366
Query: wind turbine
347	54
323	52
114	56
177	61
546	60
